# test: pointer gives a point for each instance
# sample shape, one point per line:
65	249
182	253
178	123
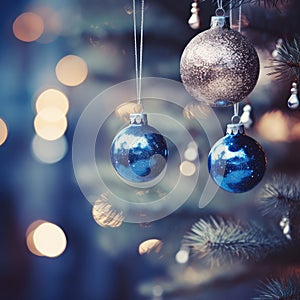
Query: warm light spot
274	126
191	153
3	132
197	110
52	98
124	110
295	131
29	237
182	256
49	239
51	114
49	151
71	70
50	130
187	168
28	27
150	245
128	9
105	215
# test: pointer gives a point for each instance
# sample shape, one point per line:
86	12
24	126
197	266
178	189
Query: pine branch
265	3
286	289
287	62
281	196
222	241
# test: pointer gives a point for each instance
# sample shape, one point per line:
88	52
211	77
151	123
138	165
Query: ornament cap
138	119
219	21
235	129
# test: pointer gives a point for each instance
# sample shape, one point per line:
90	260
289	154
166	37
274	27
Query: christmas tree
206	243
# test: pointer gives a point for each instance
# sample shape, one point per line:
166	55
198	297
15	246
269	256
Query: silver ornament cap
138	119
235	128
219	21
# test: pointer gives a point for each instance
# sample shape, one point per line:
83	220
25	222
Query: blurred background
54	243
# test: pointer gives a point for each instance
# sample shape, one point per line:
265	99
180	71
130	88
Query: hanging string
220	4
138	65
220	10
230	14
240	17
236	106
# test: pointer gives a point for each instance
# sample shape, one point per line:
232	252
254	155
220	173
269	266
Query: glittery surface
219	67
139	153
237	163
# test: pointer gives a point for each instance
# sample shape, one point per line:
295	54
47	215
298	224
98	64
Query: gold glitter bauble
219	66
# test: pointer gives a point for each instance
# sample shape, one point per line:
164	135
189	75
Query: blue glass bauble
139	152
236	162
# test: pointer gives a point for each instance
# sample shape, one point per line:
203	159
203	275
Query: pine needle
222	241
265	3
281	289
280	196
287	62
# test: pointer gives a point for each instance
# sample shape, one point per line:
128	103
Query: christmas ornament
285	226
247	116
139	152
236	162
219	66
194	20
293	101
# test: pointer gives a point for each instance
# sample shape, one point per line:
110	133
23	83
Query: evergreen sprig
281	289
281	195
225	241
265	3
286	64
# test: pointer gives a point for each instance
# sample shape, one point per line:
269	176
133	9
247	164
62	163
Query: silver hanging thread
293	101
220	10
236	106
138	65
194	20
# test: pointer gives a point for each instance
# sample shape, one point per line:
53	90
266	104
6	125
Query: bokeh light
124	110
71	70
49	239
187	168
3	132
182	256
49	152
191	153
50	130
105	215
149	246
28	27
29	237
51	114
274	126
52	98
197	110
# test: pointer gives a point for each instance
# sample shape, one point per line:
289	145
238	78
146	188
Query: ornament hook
236	114
220	12
237	117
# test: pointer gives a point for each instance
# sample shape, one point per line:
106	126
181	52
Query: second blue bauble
236	162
